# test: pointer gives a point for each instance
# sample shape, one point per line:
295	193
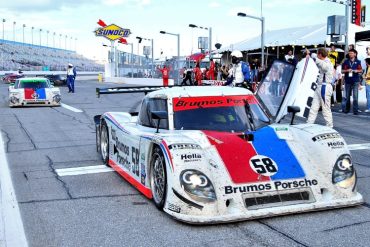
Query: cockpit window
149	105
272	89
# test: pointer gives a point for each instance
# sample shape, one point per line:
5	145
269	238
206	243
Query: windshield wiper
249	114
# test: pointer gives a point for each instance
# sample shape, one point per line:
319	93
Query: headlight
57	98
343	172
197	185
14	98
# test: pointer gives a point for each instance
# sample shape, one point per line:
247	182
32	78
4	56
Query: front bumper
240	213
34	103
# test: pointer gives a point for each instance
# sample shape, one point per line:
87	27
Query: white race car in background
35	91
220	154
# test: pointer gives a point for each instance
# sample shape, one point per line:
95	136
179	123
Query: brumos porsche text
276	185
122	152
205	102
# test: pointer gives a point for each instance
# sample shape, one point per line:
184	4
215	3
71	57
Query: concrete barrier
137	81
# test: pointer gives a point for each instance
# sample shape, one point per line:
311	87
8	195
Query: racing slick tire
104	143
158	178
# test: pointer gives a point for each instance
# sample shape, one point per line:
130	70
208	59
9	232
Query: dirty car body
219	154
35	91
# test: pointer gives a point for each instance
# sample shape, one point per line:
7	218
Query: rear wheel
104	143
158	178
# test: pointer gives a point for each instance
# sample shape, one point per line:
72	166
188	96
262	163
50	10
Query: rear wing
138	89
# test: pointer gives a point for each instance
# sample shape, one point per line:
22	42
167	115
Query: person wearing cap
71	76
240	71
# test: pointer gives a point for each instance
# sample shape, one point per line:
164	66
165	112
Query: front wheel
158	178
104	143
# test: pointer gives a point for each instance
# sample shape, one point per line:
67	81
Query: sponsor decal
276	185
142	173
174	208
281	129
189	103
263	165
35	96
112	32
190	157
122	152
336	144
326	136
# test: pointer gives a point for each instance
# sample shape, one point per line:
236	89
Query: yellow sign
112	32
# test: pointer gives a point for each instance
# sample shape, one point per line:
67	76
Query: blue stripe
41	93
267	143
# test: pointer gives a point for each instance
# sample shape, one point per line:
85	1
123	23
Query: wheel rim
104	143
158	179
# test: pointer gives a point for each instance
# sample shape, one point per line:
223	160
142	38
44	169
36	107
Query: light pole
65	42
32	34
24	25
75	44
47	38
262	19
60	41
209	36
54	40
347	4
178	50
40	36
3	28
139	41
131	55
14	23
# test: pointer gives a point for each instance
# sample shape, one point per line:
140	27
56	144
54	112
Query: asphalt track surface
102	209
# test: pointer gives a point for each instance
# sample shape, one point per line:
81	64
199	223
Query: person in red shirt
211	69
198	75
165	74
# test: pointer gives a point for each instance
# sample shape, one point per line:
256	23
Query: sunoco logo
112	32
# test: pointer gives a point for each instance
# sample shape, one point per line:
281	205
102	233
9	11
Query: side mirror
293	110
158	115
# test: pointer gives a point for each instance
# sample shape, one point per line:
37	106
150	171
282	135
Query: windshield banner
189	103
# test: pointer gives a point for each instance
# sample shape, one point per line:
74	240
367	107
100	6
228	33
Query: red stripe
188	103
235	153
168	154
146	191
28	92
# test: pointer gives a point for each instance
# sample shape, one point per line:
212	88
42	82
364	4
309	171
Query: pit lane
102	209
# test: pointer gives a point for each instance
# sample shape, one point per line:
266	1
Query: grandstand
15	55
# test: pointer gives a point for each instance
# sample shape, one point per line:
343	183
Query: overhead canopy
309	35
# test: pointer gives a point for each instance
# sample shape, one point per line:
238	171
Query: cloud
214	5
279	3
42	5
137	3
244	9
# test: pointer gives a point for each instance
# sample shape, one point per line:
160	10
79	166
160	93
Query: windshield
34	84
272	89
218	113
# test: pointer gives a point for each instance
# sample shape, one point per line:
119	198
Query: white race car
219	154
35	91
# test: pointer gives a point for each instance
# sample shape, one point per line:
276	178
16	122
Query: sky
145	18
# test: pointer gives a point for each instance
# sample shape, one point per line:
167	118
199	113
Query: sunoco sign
112	32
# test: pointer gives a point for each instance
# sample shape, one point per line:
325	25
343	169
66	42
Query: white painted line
83	170
11	228
68	107
359	146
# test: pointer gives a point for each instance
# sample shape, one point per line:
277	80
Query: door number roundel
263	165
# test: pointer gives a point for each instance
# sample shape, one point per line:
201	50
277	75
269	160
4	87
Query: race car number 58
263	165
